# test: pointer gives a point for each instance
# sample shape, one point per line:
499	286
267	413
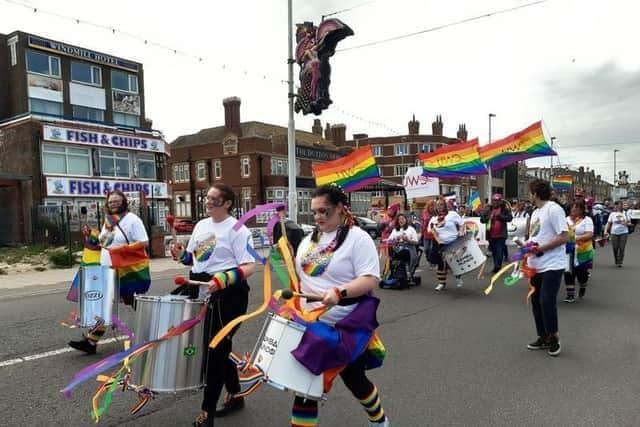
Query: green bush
61	259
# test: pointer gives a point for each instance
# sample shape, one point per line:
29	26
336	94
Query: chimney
414	126
317	127
232	115
147	123
360	136
462	132
436	127
327	131
339	134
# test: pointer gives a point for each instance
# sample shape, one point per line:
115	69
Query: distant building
584	179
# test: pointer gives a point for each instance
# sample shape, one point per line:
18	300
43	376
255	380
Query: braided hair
335	195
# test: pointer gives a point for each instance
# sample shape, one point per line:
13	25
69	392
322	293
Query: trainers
554	346
83	345
582	291
384	423
538	344
459	282
230	406
570	298
439	287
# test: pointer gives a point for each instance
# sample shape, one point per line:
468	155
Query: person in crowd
446	227
340	263
388	222
427	234
406	236
618	230
520	210
496	217
549	234
220	256
293	231
120	228
463	211
579	251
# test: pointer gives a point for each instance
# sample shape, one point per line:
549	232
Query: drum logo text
93	295
269	345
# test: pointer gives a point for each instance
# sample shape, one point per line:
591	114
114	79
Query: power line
348	9
443	26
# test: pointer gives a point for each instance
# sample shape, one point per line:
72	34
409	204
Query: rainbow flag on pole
519	146
458	159
474	201
351	172
562	182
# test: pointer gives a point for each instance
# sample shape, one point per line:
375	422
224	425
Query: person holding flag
496	217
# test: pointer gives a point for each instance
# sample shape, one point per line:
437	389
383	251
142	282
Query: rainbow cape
562	182
459	159
351	172
521	145
132	264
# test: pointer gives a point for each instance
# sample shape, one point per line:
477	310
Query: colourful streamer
257	211
497	276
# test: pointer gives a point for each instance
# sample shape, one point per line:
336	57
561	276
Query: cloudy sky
572	63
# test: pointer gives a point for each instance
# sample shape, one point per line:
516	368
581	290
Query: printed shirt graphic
616	219
546	223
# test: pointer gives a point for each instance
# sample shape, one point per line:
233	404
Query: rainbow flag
458	159
562	182
519	146
132	264
474	201
351	172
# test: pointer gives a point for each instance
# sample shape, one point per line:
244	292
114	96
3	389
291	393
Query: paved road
455	358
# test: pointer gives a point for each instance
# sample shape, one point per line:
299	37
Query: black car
368	225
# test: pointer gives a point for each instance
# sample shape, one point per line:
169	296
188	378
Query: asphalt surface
454	358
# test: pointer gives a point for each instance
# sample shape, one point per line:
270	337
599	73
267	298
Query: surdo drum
98	295
463	255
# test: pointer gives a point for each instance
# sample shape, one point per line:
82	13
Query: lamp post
615	150
553	138
291	138
490	177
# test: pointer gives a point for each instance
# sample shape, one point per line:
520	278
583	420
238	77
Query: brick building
584	179
252	158
72	127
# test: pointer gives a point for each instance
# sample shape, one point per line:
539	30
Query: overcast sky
572	63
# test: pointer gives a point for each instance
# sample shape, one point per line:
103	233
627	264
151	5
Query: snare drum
98	295
272	354
463	255
178	363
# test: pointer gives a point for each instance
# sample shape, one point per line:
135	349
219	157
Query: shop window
45	107
126	119
65	160
87	113
115	163
146	166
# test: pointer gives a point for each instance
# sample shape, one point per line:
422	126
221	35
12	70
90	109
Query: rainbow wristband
222	279
185	257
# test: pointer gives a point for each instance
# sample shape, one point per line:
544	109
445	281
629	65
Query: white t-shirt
546	223
357	256
133	227
409	233
584	226
215	246
447	232
616	219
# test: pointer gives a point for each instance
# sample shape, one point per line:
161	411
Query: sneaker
439	287
570	298
384	423
83	345
539	344
619	266
230	406
582	291
554	346
459	282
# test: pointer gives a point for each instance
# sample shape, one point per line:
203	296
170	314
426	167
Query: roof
250	129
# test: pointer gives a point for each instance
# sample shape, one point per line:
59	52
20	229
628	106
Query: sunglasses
321	212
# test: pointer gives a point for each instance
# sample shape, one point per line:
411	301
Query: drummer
339	262
121	227
446	226
219	255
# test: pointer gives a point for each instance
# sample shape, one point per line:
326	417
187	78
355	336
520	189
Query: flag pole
291	138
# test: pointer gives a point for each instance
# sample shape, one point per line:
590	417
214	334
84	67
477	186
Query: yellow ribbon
497	276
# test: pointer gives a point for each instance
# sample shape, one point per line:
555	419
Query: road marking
31	357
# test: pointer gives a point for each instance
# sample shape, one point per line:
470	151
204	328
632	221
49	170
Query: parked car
368	225
183	225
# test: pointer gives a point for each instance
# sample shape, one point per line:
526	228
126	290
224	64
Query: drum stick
182	281
170	220
288	294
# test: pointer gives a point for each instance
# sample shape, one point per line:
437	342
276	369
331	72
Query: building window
246	199
380	174
41	63
377	150
115	163
400	170
181	172
87	113
65	160
45	107
13	56
201	171
86	73
217	169
279	167
124	81
145	166
183	205
245	167
126	119
401	149
499	173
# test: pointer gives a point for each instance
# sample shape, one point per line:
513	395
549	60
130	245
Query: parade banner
417	185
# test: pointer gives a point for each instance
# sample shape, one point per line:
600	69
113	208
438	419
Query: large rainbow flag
132	264
351	172
459	159
562	182
521	145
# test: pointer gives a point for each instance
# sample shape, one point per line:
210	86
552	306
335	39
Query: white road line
51	353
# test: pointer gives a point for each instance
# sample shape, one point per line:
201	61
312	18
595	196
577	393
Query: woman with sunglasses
339	262
219	255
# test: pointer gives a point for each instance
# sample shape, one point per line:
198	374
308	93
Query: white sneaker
439	287
385	423
459	282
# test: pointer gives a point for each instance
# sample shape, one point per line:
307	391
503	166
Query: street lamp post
291	138
553	138
490	177
615	150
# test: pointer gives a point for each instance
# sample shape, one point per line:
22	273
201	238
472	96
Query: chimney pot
232	115
339	134
414	126
317	127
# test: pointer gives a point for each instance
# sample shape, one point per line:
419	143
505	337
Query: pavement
455	358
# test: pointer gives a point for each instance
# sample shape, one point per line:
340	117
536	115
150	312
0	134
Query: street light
490	178
291	138
615	150
553	138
